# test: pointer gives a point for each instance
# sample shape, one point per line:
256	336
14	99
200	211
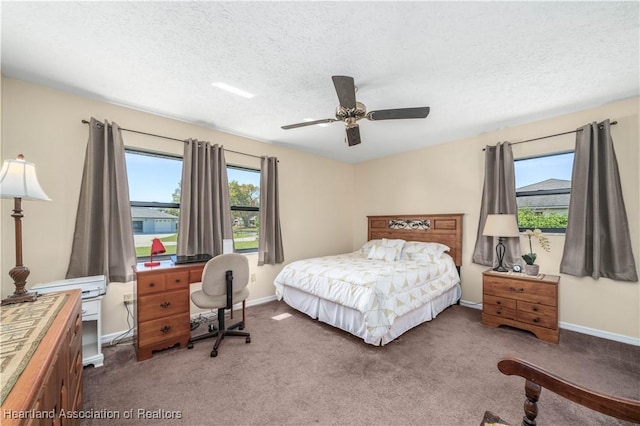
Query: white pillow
416	250
366	247
388	254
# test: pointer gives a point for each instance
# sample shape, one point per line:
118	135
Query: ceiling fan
350	111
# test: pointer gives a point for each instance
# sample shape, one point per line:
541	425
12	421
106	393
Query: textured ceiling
480	66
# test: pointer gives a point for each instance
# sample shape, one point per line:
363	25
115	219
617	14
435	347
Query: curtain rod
613	123
170	138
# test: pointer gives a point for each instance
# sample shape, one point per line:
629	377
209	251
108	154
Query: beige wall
324	202
448	178
45	126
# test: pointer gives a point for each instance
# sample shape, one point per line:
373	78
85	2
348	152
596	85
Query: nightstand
522	301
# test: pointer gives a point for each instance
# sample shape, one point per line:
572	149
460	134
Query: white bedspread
380	290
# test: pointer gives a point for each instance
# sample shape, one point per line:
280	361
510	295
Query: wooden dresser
49	389
521	301
162	306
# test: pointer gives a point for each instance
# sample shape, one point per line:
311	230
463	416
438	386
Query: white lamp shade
501	225
18	180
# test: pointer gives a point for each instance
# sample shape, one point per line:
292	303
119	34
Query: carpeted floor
298	371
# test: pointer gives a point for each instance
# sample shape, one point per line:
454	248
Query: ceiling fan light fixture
228	88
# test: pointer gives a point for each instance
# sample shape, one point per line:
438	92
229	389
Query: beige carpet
298	371
22	327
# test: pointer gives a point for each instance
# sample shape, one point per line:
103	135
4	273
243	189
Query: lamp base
20	298
154	263
500	268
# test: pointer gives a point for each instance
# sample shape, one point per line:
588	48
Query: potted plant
531	268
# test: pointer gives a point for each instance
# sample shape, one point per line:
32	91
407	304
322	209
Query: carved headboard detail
435	228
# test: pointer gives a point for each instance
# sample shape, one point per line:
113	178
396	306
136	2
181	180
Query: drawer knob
177	280
498	303
165	329
536	320
517	290
535	309
152	284
499	312
165	304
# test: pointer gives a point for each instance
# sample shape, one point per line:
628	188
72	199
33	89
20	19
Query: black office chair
224	283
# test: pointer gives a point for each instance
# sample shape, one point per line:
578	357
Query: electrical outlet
253	278
128	298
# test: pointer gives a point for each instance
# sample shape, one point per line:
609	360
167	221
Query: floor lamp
501	226
18	181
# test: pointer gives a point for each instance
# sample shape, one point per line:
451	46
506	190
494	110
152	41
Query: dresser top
546	278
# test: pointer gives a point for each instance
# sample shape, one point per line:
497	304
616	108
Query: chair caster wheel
212	328
214	353
189	345
241	327
248	340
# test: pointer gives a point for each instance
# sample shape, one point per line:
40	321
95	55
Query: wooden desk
161	298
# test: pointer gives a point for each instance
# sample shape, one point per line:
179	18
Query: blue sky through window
154	178
533	170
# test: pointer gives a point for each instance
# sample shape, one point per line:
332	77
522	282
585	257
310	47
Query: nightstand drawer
498	301
522	290
499	311
535	319
537	309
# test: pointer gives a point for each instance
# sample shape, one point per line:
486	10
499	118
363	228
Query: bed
406	274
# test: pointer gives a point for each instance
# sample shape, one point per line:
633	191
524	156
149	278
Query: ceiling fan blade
309	123
353	135
346	90
399	113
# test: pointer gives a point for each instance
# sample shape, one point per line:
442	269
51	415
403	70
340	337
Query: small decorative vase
531	269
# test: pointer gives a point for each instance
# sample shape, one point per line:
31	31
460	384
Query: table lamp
156	248
501	226
18	181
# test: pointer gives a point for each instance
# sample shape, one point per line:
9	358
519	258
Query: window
244	196
154	191
543	190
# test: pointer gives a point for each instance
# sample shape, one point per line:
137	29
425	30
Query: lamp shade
157	247
18	180
501	225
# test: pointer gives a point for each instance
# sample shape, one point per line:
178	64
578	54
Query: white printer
93	288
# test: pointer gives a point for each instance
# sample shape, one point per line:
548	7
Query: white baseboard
577	328
107	338
600	333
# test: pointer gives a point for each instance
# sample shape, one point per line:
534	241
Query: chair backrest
537	378
214	282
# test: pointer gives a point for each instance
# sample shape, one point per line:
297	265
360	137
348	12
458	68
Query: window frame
153	204
156	204
245	208
559	191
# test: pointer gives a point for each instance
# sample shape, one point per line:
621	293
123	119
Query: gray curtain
205	212
498	196
270	249
103	239
597	241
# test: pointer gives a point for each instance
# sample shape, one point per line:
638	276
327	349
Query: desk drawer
177	280
150	284
499	311
163	305
173	327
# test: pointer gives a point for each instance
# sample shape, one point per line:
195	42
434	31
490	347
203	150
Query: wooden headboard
431	228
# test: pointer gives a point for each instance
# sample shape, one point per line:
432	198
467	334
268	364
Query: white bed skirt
352	321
